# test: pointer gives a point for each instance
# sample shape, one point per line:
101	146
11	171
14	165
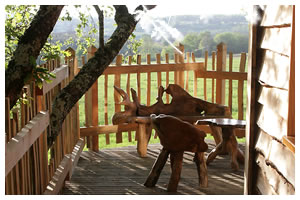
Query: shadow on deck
121	171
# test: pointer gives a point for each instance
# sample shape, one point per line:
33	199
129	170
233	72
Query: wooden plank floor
121	171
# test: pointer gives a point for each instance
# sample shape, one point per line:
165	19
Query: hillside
184	24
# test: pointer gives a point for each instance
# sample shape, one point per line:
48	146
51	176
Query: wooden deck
121	171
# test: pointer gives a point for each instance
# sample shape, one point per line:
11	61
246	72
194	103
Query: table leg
231	146
157	168
176	166
201	169
216	151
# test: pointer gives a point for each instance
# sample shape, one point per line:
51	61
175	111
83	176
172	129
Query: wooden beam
89	131
76	154
291	107
61	73
59	177
144	68
20	144
251	103
242	76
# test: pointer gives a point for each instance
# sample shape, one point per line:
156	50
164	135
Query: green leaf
39	84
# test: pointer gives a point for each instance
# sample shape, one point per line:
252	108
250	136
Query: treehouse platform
121	171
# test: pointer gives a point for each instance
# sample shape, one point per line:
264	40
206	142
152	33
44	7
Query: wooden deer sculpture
177	136
182	104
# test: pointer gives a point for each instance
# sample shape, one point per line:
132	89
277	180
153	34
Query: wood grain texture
275	70
271	36
277	15
271	122
269	181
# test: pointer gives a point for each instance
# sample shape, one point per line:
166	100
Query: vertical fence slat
148	81
117	82
167	78
187	72
230	83
128	92
176	72
221	66
138	78
241	88
195	76
9	178
14	132
213	57
181	60
107	138
158	73
204	79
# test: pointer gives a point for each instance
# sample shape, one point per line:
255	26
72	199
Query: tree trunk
90	72
28	49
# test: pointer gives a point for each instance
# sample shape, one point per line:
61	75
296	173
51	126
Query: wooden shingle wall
270	163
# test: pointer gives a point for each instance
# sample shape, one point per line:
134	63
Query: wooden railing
30	167
217	81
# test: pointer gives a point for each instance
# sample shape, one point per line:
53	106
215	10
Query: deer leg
201	168
176	166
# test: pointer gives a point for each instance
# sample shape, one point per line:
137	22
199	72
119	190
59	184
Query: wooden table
229	143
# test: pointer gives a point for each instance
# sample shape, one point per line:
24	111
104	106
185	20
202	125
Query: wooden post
138	78
230	83
167	79
241	88
91	105
291	107
148	81
117	98
187	72
181	60
204	79
128	92
221	66
107	138
195	76
213	57
158	73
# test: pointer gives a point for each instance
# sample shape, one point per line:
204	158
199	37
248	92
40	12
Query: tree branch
91	71
101	26
28	49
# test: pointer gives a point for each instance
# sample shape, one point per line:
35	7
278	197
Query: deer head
130	109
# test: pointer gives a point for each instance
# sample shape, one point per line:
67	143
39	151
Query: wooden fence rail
146	78
30	167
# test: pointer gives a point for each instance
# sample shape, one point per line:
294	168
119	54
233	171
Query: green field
200	94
